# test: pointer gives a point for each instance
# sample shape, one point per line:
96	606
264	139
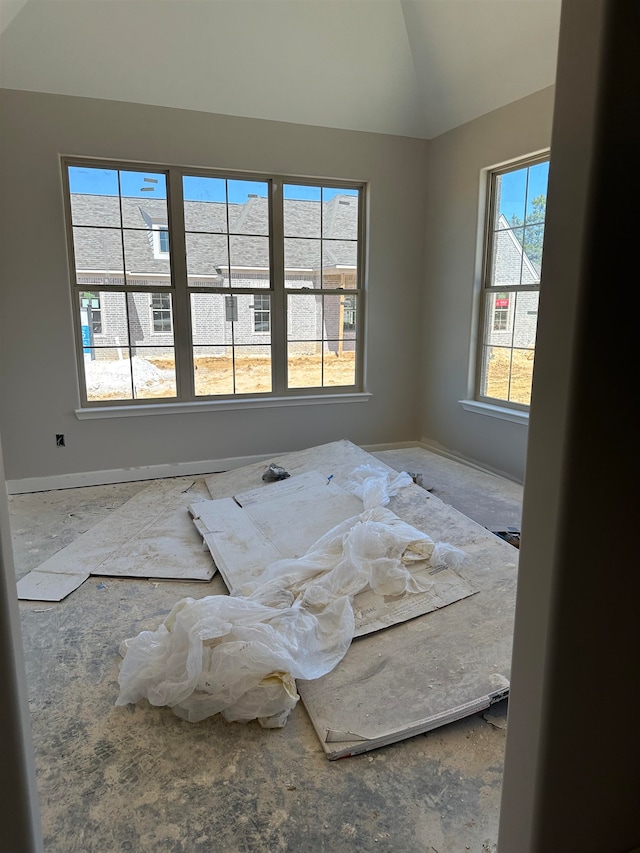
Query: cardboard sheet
425	672
149	536
248	532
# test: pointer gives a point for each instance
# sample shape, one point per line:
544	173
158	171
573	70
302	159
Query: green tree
534	233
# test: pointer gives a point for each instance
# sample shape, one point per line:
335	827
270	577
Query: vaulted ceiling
406	67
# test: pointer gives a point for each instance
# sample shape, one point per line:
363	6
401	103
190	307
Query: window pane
511	191
207	260
302	263
252	366
154	372
213	370
304	365
302	211
507	257
521	376
496	372
339	368
532	259
498	321
208	319
205	204
108	373
339	263
340	214
94	196
248	207
143	310
340	345
98	250
143	267
249	255
230	355
113	321
525	319
537	192
144	199
304	317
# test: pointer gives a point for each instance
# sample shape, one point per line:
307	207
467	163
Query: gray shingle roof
98	245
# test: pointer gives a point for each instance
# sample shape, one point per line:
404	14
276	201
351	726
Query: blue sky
153	185
514	189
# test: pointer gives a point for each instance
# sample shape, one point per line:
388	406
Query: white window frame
488	290
183	323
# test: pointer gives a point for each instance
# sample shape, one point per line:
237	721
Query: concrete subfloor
141	779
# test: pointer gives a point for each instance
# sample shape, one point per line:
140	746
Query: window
261	312
231	308
163	239
213	285
516	207
161	312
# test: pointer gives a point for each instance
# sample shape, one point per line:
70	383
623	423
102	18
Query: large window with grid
191	286
516	205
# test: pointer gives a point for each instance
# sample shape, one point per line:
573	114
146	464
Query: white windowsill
503	412
218	405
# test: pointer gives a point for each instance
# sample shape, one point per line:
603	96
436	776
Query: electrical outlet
59	439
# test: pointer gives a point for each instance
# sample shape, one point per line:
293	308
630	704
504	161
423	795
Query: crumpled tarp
240	655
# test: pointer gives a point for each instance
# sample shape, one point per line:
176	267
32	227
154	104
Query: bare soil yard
215	376
521	373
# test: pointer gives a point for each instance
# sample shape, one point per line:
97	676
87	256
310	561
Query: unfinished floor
140	779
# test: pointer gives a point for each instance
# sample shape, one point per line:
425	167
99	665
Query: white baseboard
156	472
129	475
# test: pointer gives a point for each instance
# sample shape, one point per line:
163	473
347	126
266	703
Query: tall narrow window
161	312
193	285
517	197
262	312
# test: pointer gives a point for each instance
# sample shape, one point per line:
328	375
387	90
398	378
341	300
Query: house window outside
161	313
511	282
261	312
231	309
349	313
163	240
162	247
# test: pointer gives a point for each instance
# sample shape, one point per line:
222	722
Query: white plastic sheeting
240	655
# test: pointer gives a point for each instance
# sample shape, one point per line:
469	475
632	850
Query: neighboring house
514	315
218	254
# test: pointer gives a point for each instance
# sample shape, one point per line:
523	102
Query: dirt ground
215	376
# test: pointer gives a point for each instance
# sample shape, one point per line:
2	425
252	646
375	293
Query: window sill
96	412
503	412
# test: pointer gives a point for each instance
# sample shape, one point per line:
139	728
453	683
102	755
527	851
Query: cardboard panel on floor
423	673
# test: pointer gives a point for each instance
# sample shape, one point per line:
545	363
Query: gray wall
37	369
455	161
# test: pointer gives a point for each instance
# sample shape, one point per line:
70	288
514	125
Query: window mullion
181	299
279	306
